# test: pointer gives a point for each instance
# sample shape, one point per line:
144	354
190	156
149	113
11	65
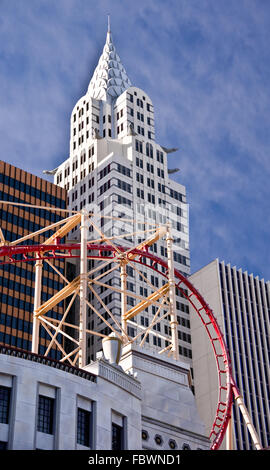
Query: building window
139	162
131	331
124	170
140	193
149	150
4	404
160	156
83	427
117	437
3	445
157	341
124	186
138	146
45	414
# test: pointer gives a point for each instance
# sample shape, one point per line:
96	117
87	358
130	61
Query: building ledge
115	374
27	355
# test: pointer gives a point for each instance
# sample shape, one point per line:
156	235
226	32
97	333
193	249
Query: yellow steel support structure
148	301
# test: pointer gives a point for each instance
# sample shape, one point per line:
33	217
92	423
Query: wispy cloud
205	64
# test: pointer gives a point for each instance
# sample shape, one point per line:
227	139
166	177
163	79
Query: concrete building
116	168
17	281
45	404
241	304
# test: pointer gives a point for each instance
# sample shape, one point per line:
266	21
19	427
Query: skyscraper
116	169
241	304
17	280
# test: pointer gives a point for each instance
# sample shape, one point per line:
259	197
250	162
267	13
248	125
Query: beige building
241	305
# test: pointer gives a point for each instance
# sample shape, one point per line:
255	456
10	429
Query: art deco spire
110	78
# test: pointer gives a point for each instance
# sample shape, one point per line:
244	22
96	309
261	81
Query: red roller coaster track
227	386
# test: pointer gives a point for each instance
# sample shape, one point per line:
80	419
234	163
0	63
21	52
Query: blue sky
206	66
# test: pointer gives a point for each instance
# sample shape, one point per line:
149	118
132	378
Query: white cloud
204	64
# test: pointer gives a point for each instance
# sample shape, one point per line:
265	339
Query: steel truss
107	250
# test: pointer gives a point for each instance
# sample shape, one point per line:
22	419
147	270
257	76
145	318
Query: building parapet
116	375
21	353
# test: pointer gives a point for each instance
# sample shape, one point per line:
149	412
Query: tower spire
110	78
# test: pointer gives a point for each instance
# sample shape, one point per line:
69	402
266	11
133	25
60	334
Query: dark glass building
17	280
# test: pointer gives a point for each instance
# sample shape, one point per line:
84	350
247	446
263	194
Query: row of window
40	213
139	102
18	323
18	221
15	302
150	197
23	343
150	168
246	317
118	167
149	151
23	288
46	417
29	274
91	152
119	129
20	286
32	191
120	184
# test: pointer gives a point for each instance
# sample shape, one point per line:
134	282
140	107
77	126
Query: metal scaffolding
107	251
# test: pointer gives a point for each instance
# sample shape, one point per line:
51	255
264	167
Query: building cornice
29	356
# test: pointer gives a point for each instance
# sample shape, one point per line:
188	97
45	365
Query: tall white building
241	304
116	168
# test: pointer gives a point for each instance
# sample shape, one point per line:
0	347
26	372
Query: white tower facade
116	169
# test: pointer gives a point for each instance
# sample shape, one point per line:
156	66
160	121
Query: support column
83	289
37	302
254	436
173	317
123	277
229	435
